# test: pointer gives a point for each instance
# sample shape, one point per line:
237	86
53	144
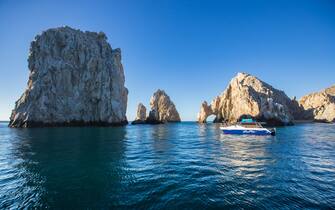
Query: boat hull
247	132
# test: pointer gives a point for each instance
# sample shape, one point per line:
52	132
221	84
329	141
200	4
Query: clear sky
190	48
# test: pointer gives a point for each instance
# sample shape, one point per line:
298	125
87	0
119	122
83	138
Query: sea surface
172	166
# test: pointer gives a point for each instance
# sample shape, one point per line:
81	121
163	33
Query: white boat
248	127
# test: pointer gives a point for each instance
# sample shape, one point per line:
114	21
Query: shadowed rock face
162	109
76	78
319	106
246	95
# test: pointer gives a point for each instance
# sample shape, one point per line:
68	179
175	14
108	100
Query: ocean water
172	166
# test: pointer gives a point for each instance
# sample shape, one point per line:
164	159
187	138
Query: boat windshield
250	123
247	120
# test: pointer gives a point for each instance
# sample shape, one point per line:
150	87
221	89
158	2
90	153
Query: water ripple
171	166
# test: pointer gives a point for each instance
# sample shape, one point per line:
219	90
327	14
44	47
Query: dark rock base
218	120
153	122
274	122
322	121
34	124
269	122
137	122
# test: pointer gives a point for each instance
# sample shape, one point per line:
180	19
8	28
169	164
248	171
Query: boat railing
250	125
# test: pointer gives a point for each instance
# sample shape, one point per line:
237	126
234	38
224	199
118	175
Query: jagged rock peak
141	114
76	78
162	108
246	95
330	90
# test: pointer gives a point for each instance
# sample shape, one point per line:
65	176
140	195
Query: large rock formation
319	106
76	78
246	95
141	115
162	109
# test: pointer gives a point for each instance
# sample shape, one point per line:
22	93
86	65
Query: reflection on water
247	154
66	166
182	165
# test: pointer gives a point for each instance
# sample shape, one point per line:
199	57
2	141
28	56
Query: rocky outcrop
319	106
330	90
162	109
246	95
141	115
76	78
205	111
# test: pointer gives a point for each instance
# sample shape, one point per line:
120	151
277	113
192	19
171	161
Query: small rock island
76	78
162	110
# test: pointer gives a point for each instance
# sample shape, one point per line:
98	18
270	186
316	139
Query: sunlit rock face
162	109
76	78
319	106
141	114
205	111
247	96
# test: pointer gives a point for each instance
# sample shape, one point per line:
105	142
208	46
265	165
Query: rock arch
207	110
247	95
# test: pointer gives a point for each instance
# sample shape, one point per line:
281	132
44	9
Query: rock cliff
319	106
162	109
246	95
141	114
76	78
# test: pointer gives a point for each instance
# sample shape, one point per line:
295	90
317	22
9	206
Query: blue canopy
247	121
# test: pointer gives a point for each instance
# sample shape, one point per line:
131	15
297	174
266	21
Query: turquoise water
171	166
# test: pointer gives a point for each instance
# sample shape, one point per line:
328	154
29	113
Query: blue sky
191	49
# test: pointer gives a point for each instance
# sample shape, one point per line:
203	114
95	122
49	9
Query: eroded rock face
205	111
141	114
246	95
319	106
162	109
76	78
